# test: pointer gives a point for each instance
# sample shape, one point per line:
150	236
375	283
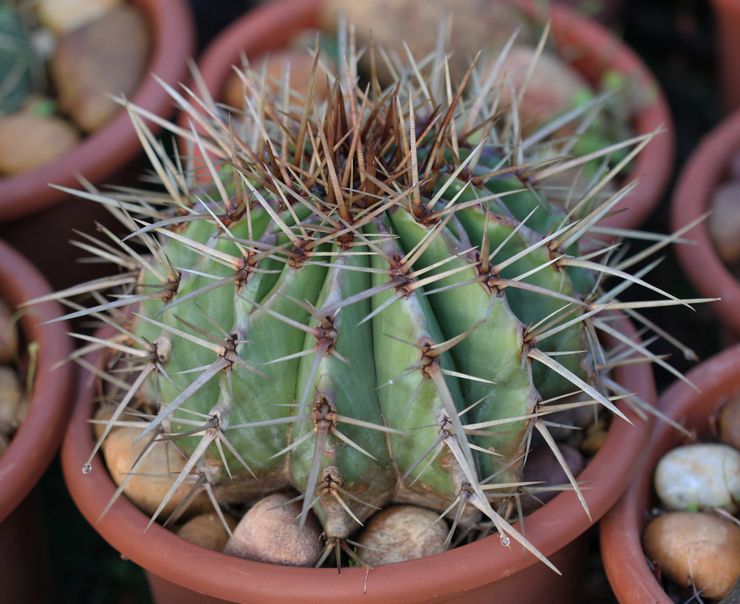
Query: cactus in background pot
21	69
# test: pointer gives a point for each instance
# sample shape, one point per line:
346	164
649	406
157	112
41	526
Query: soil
676	40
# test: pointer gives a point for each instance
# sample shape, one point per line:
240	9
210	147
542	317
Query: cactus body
366	302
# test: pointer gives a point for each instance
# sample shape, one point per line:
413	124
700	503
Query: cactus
21	69
368	300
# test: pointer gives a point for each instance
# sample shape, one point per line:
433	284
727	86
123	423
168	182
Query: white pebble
700	476
62	16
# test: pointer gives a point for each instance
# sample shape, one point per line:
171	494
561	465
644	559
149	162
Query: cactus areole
368	301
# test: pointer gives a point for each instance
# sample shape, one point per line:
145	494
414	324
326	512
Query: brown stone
595	438
8	333
107	56
724	222
207	530
400	533
153	476
695	549
11	396
28	141
729	422
270	532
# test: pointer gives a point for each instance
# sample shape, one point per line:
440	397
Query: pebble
733	596
699	476
105	411
543	467
724	222
28	141
301	66
596	436
270	532
207	530
11	396
695	549
22	410
107	56
729	423
400	533
61	16
8	333
103	414
154	475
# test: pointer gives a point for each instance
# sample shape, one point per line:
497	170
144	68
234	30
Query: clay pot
630	577
484	571
593	50
589	47
727	22
607	12
704	171
22	543
36	218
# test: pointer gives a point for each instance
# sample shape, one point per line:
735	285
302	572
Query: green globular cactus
21	71
368	301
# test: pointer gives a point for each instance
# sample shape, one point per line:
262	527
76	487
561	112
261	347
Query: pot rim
37	438
274	24
164	554
699	178
621	529
102	153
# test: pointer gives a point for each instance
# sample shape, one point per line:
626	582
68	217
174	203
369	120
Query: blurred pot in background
633	581
37	219
727	21
48	392
710	181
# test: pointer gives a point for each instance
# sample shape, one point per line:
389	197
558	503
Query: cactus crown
372	299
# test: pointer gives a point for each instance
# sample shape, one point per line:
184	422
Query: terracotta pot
22	546
621	549
705	170
36	218
483	571
607	12
589	47
727	22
